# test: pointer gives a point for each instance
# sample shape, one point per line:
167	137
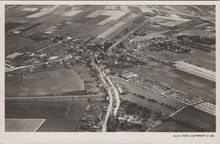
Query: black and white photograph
110	68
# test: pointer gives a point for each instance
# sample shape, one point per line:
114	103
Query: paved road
49	46
116	97
104	125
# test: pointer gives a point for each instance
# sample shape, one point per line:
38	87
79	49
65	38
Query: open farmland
169	76
61	114
23	125
196	118
172	126
12	25
81	21
54	82
45	108
75	108
19	45
58	125
148	95
197	57
13	85
168	21
106	68
109	31
195	70
148	104
71	13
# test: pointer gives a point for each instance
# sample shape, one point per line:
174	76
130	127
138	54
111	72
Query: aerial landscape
110	68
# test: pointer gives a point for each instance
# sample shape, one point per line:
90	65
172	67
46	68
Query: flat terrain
141	43
45	83
56	125
61	114
13	85
172	126
169	76
147	94
148	104
36	108
197	57
197	119
53	82
74	20
23	125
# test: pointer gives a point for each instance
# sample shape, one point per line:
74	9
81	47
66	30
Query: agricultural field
18	44
196	57
74	20
158	106
22	125
168	76
196	118
172	126
38	108
12	25
59	59
57	114
13	85
53	82
58	125
168	21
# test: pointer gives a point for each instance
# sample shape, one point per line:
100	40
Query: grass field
199	87
167	21
96	13
111	30
85	22
75	108
71	13
41	108
53	82
196	57
22	125
197	119
61	114
11	25
13	85
169	76
20	44
17	44
196	70
148	94
148	104
172	126
58	125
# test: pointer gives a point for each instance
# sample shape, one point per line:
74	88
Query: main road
104	125
114	100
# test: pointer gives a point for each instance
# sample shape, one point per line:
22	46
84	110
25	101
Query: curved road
104	126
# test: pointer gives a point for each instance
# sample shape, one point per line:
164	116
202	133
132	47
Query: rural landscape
110	68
